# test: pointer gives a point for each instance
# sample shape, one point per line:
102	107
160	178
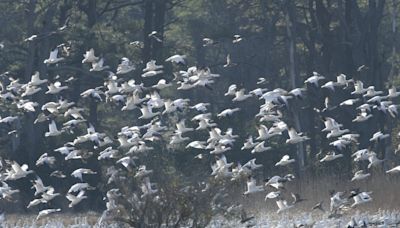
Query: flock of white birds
133	140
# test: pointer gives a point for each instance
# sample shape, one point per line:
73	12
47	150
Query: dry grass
385	190
53	220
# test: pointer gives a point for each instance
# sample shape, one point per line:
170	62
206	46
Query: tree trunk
159	21
148	24
290	20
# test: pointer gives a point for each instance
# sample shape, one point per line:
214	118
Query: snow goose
142	172
260	147
161	84
201	107
8	119
261	81
394	170
181	128
49	194
79	172
392	92
74	200
51	107
147	188
36	202
26	105
313	80
219	149
240	95
248	144
46	212
229	62
205	124
208	42
178	59
6	192
295	137
80	187
196	145
318	206
336	132
330	86
277	128
108	153
331	124
359	88
55	88
177	139
147	112
349	102
237	38
99	65
277	181
378	136
361	155
125	66
341	80
340	144
360	175
373	160
330	157
89	57
360	198
126	162
273	195
258	92
227	112
154	35
53	58
263	133
30	90
151	73
31	38
283	205
252	186
337	201
45	159
17	171
298	92
285	161
53	131
392	109
252	165
371	92
39	186
231	90
362	116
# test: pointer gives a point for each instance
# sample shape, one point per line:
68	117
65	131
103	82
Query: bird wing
53	54
285	158
52	126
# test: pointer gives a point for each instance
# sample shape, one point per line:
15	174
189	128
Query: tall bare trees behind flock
171	111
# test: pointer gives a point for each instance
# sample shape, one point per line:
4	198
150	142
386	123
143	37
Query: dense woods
283	42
